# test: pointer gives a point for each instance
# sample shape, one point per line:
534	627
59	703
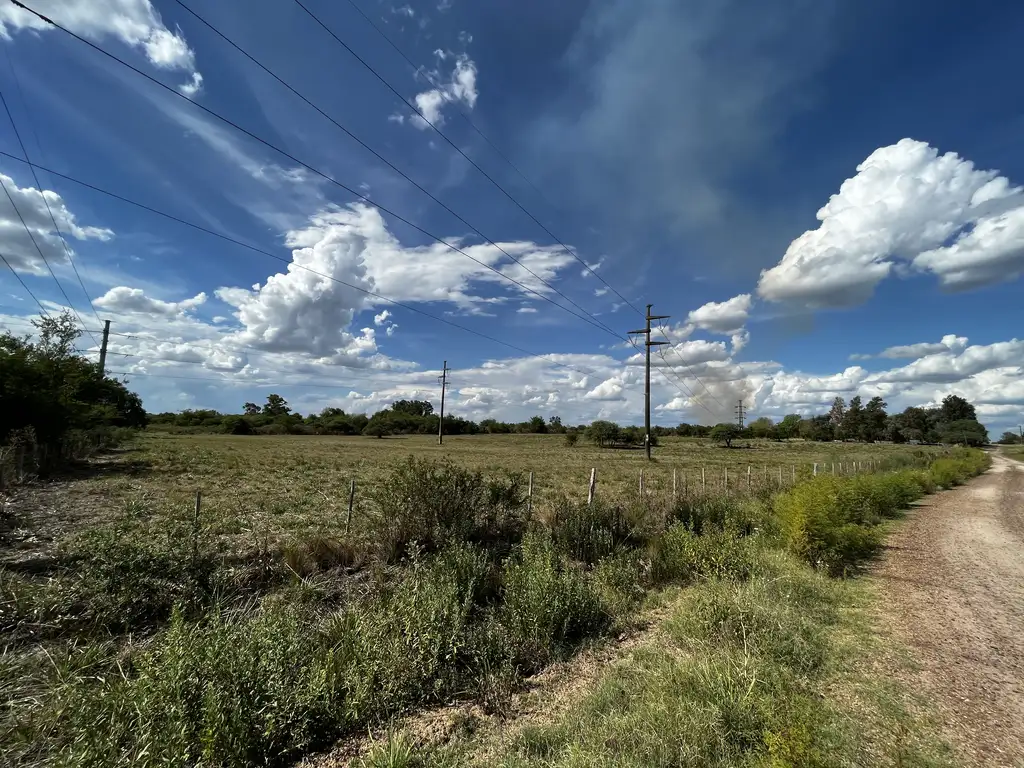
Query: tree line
54	403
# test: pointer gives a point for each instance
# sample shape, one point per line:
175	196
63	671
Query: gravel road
952	589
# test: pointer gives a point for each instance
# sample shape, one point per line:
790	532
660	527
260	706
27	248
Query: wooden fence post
675	493
726	476
593	484
780	478
703	483
833	467
793	468
815	474
748	477
641	483
351	504
529	496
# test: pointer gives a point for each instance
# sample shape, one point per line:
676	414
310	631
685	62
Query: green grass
1014	452
161	638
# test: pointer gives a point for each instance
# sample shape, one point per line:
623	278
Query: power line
308	167
39	250
672	346
23	285
397	170
282	259
457	149
24	149
223	379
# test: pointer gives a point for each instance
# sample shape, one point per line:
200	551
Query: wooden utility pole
647	374
103	346
443	378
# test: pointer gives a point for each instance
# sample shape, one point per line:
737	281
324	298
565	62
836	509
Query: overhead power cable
24	150
309	167
223	379
458	149
296	265
672	345
28	231
396	169
23	285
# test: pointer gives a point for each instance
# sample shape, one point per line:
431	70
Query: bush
681	555
571	438
437	504
272	429
547	603
236	425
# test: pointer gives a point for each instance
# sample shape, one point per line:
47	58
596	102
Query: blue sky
683	150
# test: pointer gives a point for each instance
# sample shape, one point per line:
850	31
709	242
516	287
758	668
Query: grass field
276	487
1015	452
120	607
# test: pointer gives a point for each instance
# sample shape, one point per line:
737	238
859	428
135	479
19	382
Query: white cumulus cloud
907	203
122	299
135	23
726	317
17	244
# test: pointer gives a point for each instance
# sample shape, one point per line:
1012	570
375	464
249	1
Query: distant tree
536	425
602	433
251	409
955	408
555	425
571	438
761	427
725	433
874	421
412	407
852	426
235	425
817	428
276	406
965	432
837	412
1009	438
380	424
789	427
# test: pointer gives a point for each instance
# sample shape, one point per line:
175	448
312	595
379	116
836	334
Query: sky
330	200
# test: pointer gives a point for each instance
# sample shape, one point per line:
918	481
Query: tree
965	432
555	425
1009	438
852	425
412	407
760	427
235	425
536	425
571	438
874	420
837	412
276	406
955	408
725	433
602	433
251	409
789	427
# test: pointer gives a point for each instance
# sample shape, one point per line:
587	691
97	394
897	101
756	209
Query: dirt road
952	588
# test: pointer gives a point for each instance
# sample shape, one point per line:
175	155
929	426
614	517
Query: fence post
793	468
529	496
675	493
766	474
748	477
815	474
703	484
833	467
726	476
351	504
641	483
593	483
780	478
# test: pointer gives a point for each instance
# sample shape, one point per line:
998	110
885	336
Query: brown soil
951	587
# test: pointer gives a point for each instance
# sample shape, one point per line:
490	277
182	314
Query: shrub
590	532
681	555
236	425
437	504
571	438
272	429
547	603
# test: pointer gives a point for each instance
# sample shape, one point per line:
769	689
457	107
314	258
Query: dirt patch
951	586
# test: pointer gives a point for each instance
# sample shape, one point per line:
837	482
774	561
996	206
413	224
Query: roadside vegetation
164	648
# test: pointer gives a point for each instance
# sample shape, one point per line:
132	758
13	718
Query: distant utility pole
739	413
1021	429
443	378
103	346
647	380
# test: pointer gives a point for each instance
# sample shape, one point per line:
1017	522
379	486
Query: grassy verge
772	663
465	593
1015	452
